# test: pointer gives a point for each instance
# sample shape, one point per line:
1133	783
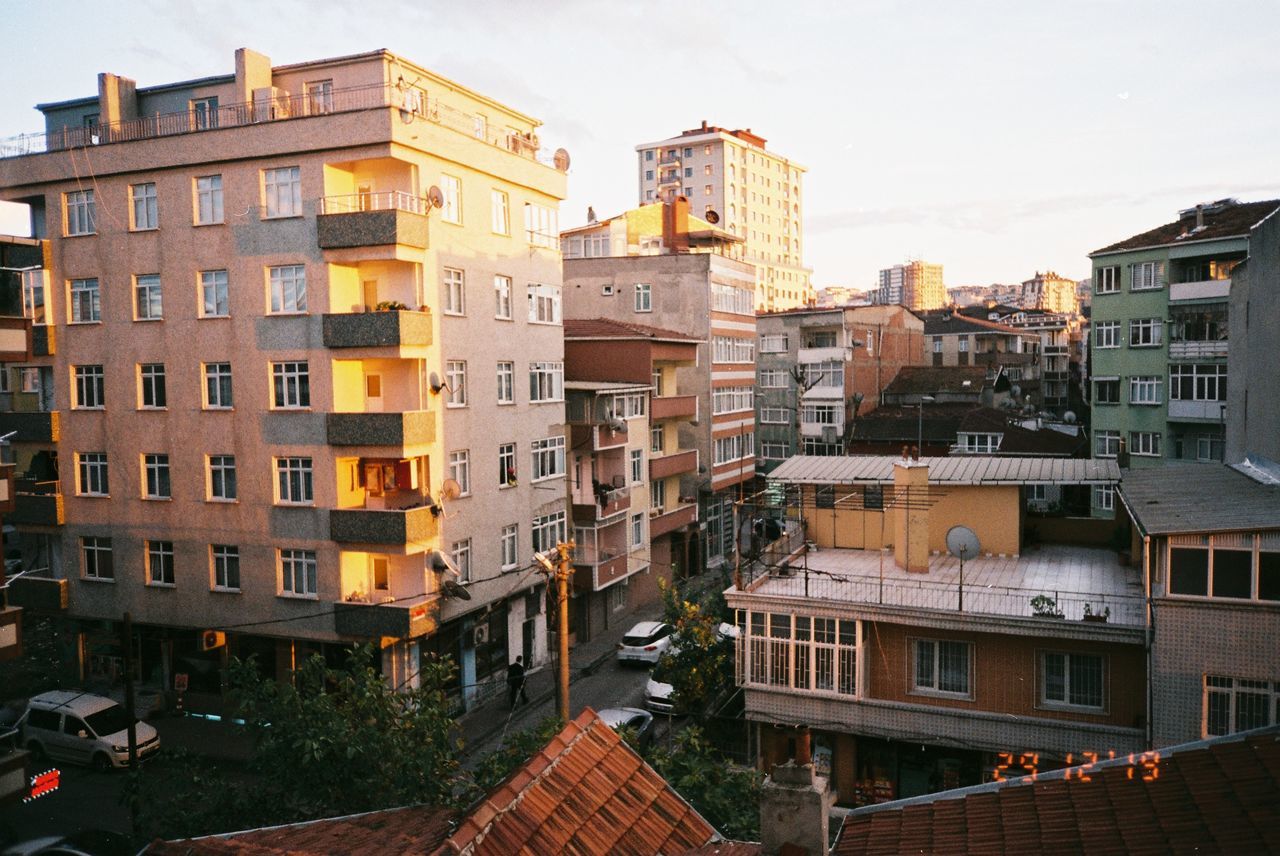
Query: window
1145	276
1104	497
1238	704
222	478
1106	391
548	458
1106	444
282	192
151	383
773	415
288	288
648	155
455	378
500	213
208	200
1146	389
95	552
80	212
147	300
636	457
644	297
1190	382
226	567
293	481
731	349
31	380
510	546
460	553
732	399
658	496
773	451
455	296
35	296
204	111
657	439
1106	334
1210	448
451	187
648	173
1146	332
548	531
828	373
507	465
942	667
732	448
1106	280
707	190
144	213
155	469
86	305
89	387
937	344
1071	680
160	563
460	470
506	383
628	406
1145	443
319	96
637	530
291	386
773	378
91	470
213	294
773	344
979	444
1223	566
298	573
546	381
502	297
544	304
541	227
217	386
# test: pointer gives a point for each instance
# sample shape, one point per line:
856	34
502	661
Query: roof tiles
605	328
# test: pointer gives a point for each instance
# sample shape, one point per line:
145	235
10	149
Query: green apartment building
1159	341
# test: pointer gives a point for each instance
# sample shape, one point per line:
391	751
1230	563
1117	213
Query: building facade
1253	410
1050	293
302	313
730	177
916	285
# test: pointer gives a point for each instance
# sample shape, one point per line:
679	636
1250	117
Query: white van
82	729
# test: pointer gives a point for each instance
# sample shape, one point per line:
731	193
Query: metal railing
1198	348
414	103
386	200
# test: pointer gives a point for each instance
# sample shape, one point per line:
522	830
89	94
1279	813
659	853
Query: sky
995	138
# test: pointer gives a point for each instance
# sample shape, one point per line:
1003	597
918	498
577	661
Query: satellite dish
440	563
435	196
451	489
561	160
712	217
452	589
962	542
618	425
435	382
1069	417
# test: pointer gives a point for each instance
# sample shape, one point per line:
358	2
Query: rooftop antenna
962	542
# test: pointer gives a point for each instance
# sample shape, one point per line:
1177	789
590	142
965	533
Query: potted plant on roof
1044	606
1100	617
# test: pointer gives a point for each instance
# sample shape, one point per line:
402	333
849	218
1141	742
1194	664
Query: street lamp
920	421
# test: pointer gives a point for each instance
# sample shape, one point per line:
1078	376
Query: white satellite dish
962	542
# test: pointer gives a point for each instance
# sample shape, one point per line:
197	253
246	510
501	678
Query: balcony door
373	402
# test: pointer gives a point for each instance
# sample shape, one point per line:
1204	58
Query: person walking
515	683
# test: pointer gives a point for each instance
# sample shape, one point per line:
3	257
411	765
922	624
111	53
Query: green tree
727	795
518	748
699	664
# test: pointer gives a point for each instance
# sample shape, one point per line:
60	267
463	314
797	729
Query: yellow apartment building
303	374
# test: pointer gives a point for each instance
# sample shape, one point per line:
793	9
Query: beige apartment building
916	285
1052	293
730	178
308	367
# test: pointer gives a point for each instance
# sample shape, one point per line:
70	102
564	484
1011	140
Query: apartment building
1160	319
954	339
916	285
917	673
731	178
693	289
1062	350
1050	292
819	370
1253	410
302	315
628	410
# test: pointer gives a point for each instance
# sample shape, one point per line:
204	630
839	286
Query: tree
728	796
699	664
518	748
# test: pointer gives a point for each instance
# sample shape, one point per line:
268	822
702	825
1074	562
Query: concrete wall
1253	394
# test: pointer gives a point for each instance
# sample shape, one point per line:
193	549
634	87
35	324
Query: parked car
645	642
82	728
658	691
633	718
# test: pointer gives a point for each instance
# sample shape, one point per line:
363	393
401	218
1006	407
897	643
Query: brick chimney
675	225
794	806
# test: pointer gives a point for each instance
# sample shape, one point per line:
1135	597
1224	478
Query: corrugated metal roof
1198	498
967	469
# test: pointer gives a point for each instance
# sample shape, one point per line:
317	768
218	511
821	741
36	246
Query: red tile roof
1233	219
605	328
1215	796
586	792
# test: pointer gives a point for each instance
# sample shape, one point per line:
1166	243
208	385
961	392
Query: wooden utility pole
565	549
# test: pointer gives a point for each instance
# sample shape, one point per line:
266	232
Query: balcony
407	619
1207	289
601	437
413	428
594	576
1055	350
389	329
34	427
38	503
674	407
822	429
1198	410
610	503
383	526
1197	350
372	220
39	593
43	340
671	520
672	465
669	160
821	355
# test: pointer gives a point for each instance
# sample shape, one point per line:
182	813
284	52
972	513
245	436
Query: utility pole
559	572
133	723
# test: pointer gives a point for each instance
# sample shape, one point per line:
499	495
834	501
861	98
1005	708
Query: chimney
704	124
591	214
117	99
911	515
253	72
675	225
794	807
1200	216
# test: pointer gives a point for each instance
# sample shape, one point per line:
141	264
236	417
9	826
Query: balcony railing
410	428
608	504
387	200
1196	350
410	100
670	465
405	619
378	329
42	426
669	520
1211	410
673	407
37	503
1208	288
383	526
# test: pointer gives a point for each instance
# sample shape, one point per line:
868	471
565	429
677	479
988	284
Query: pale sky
995	138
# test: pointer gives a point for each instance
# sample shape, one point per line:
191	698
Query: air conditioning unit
480	635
